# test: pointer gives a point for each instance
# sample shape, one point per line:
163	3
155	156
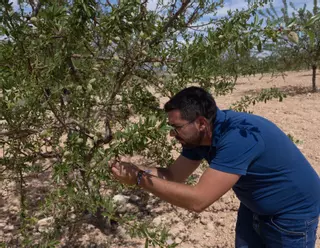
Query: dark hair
193	102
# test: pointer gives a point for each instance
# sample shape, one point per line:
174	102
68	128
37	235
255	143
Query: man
278	189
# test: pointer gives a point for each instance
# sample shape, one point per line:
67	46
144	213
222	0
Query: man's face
186	132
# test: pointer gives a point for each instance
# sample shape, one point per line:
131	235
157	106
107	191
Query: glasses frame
176	128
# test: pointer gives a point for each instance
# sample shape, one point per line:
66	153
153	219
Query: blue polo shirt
276	179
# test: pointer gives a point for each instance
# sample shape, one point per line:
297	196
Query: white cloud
15	4
231	5
152	4
278	4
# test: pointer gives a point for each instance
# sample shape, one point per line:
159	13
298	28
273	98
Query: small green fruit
293	37
89	87
33	19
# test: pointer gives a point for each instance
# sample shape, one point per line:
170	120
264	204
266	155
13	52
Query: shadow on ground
308	75
288	90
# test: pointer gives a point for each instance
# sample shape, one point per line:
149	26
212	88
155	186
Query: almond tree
301	36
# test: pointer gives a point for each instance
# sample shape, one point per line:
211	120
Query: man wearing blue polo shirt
278	189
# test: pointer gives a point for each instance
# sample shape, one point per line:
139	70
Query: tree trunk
314	72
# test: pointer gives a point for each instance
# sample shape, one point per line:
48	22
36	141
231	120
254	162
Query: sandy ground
298	115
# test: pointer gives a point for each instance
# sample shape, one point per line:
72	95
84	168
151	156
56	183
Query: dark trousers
253	231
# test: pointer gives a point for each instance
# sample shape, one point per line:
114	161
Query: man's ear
202	123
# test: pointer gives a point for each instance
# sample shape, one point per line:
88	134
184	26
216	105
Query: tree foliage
300	31
81	83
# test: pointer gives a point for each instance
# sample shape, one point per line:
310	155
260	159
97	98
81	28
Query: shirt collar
220	119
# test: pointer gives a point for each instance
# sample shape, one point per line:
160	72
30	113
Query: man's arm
211	186
179	171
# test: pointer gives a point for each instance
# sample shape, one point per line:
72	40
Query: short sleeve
236	150
191	154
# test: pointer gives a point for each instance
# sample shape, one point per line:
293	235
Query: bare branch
161	60
79	56
193	16
174	5
200	25
35	5
48	155
53	110
110	5
147	60
73	69
143	8
105	140
3	169
170	22
88	48
18	133
75	123
176	15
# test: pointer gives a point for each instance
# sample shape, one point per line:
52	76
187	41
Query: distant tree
301	36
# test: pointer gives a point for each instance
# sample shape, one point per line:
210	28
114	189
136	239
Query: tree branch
79	56
35	5
193	16
53	110
73	69
48	155
18	133
105	140
165	28
176	15
110	5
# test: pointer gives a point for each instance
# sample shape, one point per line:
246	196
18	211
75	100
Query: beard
192	142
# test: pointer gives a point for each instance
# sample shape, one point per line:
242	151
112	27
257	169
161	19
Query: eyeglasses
176	128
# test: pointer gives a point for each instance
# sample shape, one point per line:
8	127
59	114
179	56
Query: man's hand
125	172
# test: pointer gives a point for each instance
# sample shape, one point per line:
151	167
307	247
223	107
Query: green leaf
259	46
293	22
311	35
312	20
256	20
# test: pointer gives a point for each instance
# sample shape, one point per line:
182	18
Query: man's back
281	179
276	177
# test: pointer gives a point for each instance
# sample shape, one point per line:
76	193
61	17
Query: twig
79	56
105	140
3	170
53	110
171	20
35	5
48	155
108	2
18	133
175	16
74	70
193	16
86	45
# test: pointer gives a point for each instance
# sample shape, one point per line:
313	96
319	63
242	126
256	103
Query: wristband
140	175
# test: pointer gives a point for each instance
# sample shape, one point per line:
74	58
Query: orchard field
298	115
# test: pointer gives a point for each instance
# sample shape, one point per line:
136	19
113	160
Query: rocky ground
298	115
